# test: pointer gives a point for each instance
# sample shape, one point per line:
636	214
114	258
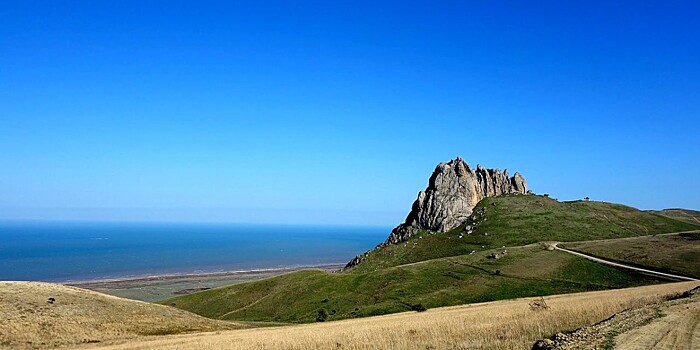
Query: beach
161	287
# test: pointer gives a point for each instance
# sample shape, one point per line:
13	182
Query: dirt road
678	330
610	263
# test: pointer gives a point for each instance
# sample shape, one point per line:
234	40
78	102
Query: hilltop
80	316
518	220
454	189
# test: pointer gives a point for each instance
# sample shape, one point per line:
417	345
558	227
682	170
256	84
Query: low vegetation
499	259
298	297
518	220
689	216
501	252
74	316
511	324
679	254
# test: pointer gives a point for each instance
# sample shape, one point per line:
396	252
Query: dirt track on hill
628	267
678	330
667	325
670	325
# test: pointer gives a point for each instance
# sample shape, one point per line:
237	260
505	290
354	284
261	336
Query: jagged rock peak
453	191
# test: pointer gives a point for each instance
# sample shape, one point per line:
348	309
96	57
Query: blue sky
338	111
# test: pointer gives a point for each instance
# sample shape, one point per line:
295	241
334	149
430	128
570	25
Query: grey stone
453	191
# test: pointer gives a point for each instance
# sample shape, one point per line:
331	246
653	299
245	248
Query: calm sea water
61	251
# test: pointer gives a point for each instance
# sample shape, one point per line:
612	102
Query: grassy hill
441	269
81	316
501	325
690	216
298	297
519	220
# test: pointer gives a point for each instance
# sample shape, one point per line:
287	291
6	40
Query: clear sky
338	111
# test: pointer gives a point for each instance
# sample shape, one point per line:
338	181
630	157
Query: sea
81	251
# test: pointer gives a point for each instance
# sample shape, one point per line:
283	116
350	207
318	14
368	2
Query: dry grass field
511	324
28	320
690	216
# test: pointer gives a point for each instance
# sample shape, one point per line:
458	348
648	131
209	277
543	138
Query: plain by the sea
78	251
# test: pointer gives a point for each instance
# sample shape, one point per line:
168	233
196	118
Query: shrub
418	307
322	315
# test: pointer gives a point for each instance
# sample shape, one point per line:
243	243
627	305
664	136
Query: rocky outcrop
453	191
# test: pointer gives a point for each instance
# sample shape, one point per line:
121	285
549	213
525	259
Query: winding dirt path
244	307
638	269
679	329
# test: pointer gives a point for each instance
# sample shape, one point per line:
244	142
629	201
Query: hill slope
690	216
440	269
511	324
82	316
676	253
299	297
517	220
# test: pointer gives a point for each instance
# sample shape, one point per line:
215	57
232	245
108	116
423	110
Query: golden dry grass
27	320
679	329
511	324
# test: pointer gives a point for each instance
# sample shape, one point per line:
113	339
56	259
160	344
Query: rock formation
453	191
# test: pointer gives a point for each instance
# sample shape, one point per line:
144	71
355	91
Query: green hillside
299	296
518	220
677	254
440	269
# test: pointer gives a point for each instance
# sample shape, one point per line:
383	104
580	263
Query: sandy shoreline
160	287
148	278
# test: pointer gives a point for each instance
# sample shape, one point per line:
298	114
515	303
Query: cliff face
453	191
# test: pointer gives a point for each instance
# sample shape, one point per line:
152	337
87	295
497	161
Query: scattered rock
597	336
357	260
497	255
544	344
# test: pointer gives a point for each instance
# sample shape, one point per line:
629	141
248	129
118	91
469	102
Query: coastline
160	287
